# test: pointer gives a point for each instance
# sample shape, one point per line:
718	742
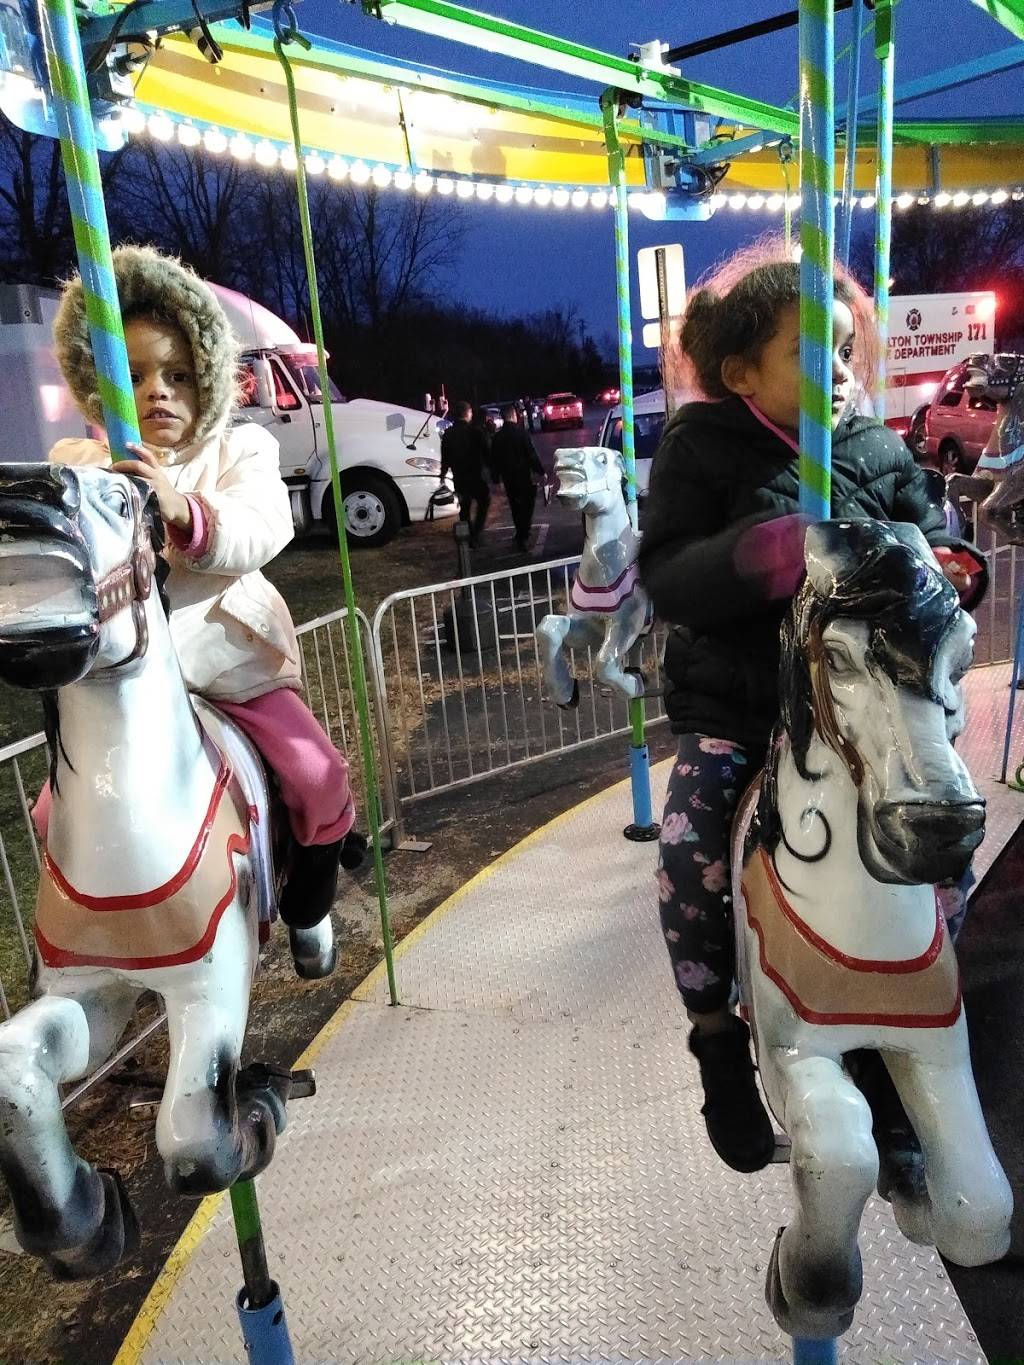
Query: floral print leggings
708	778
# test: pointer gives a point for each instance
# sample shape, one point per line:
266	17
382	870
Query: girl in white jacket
227	514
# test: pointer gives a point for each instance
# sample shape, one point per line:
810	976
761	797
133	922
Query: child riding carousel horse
220	494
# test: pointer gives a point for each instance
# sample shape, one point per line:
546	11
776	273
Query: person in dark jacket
515	462
721	556
465	452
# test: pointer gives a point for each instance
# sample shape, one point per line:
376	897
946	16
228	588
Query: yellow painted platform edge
130	1350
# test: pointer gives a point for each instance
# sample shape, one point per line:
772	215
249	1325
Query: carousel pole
286	31
850	165
59	32
643	827
259	1305
885	52
817	239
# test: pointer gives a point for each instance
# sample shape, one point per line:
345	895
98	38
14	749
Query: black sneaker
737	1122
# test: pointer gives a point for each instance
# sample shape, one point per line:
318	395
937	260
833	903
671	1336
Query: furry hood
149	282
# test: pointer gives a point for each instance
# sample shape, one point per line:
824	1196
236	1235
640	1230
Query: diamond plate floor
510	1169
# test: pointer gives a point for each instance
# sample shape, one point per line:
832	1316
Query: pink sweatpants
312	775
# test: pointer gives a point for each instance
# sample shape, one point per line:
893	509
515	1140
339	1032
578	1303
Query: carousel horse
863	806
608	607
997	482
156	875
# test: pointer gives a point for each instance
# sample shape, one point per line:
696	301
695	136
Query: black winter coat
717	472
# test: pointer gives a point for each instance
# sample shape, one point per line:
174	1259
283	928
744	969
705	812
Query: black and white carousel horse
609	610
863	806
157	870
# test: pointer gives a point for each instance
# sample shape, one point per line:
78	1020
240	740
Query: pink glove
771	555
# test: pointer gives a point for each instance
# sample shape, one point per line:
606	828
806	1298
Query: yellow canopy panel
353	117
962	167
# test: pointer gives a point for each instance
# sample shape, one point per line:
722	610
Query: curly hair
153	285
734	310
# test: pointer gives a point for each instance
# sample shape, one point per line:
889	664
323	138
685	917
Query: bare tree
940	250
36	242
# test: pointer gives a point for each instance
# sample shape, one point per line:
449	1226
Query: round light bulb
337	168
579	199
381	177
241	147
484	190
560	198
315	164
265	153
215	141
189	135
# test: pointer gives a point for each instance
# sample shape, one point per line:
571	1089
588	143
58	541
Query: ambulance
928	335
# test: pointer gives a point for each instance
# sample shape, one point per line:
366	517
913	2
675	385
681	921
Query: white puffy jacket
233	633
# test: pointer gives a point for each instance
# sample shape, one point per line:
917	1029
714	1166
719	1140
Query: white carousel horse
997	482
864	804
156	873
608	607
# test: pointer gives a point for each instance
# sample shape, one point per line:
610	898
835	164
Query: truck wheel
373	511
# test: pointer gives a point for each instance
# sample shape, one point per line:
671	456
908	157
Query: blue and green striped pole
643	826
817	241
89	219
885	52
617	180
850	166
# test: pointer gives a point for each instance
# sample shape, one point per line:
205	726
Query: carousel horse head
873	656
589	478
78	552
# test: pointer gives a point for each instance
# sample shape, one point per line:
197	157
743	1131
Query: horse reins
130	584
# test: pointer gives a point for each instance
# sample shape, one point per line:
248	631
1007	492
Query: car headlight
425	464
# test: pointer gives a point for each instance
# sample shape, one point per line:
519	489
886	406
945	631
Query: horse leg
76	1216
556	635
620	634
970	1198
814	1278
207	1139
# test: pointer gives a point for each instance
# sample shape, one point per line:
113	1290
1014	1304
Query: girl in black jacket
721	557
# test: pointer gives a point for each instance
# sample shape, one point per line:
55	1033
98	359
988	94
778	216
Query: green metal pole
643	826
259	1287
59	28
351	620
885	52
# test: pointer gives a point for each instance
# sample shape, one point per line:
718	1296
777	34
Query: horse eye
837	659
117	500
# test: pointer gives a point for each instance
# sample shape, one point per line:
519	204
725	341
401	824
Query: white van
648	424
390	456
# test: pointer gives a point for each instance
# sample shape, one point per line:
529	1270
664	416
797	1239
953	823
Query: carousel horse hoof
574	699
116	1238
803	1319
641	681
314	951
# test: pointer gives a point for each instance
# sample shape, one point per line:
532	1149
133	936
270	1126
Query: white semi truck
389	456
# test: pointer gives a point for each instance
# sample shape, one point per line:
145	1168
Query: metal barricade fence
327	677
460	672
997	616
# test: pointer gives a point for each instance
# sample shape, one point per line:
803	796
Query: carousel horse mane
876	574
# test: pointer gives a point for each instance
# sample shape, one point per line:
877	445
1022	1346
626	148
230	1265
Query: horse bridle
131	582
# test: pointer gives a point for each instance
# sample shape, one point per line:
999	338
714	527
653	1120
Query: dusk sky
521	258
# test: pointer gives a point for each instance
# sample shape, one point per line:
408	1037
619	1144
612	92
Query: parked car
608	397
648	424
490	416
956	425
561	410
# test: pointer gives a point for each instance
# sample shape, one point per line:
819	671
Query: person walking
464	451
515	462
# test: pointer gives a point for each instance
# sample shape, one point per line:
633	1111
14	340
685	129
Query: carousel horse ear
835	550
911	535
